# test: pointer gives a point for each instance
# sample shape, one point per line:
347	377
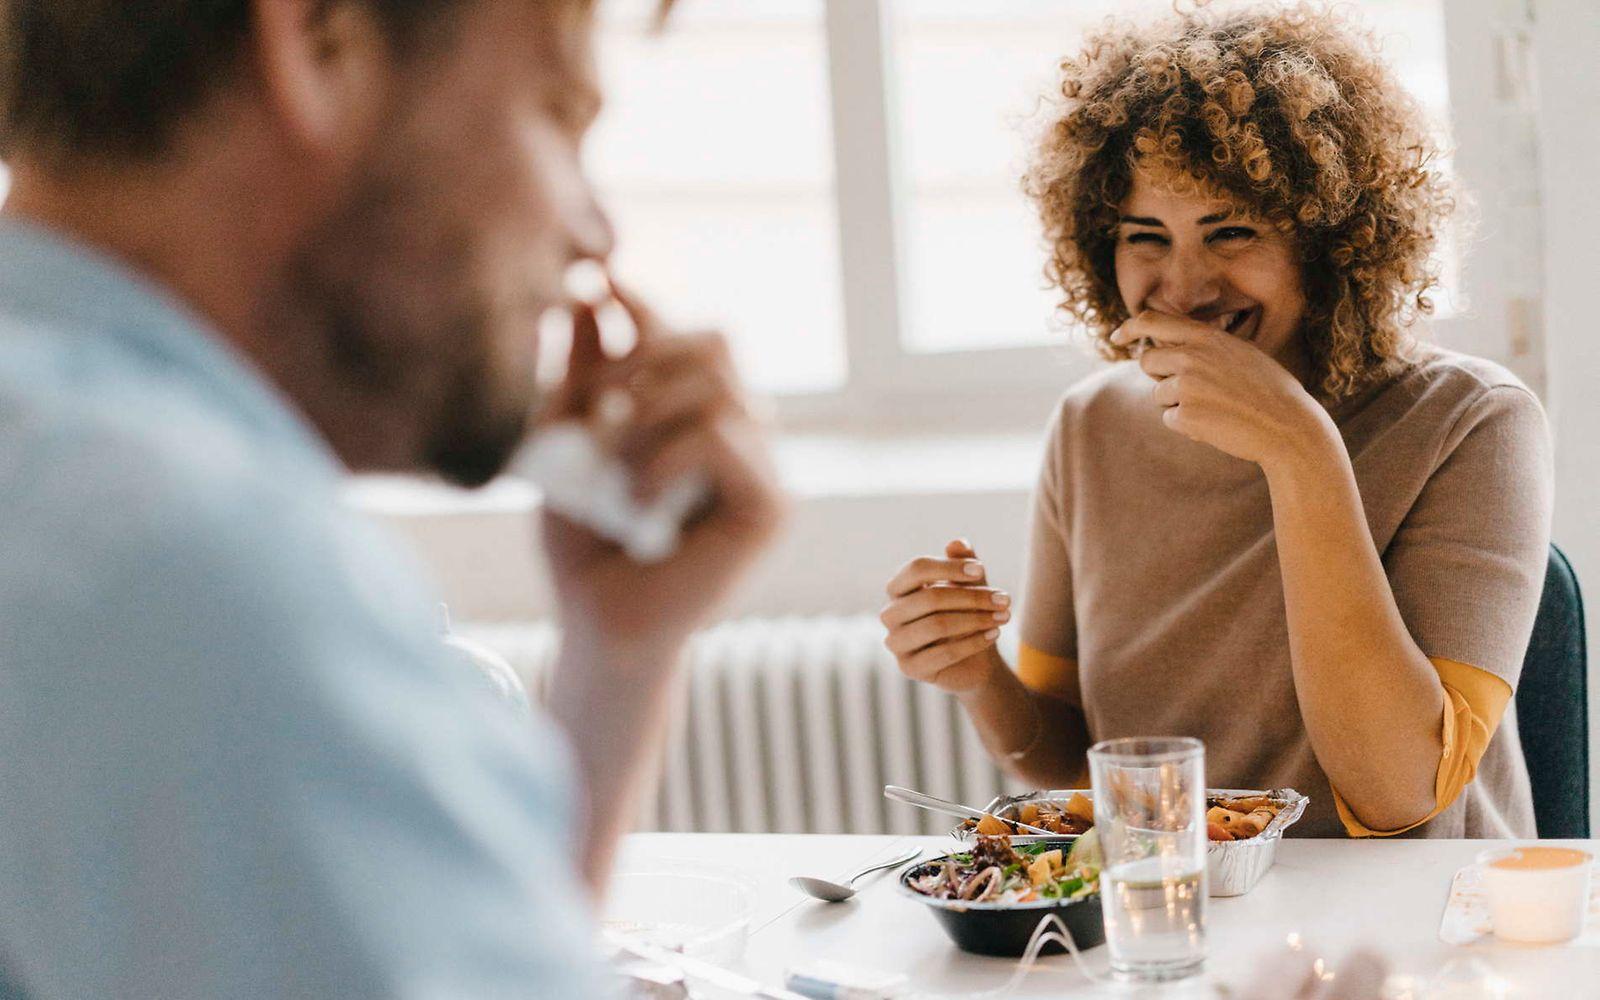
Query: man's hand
625	623
688	415
1225	392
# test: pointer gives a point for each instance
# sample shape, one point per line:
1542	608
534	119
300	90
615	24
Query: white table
1336	894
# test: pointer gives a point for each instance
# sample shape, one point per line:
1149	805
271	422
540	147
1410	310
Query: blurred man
252	244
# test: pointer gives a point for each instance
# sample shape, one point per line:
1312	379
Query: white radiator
794	725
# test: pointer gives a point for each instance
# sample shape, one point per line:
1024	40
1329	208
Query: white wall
1495	156
864	507
1567	38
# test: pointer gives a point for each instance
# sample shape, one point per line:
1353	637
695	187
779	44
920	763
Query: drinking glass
1149	809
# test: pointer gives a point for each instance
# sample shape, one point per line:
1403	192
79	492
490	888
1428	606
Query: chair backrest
1553	706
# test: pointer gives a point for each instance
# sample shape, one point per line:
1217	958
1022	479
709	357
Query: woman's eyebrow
1145	220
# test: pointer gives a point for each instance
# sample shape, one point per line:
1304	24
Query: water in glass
1149	797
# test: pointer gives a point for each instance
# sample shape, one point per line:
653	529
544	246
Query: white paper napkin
580	481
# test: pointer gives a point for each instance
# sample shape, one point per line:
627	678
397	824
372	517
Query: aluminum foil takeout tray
1233	867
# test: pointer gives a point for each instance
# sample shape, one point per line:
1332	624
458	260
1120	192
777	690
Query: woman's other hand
1219	390
944	619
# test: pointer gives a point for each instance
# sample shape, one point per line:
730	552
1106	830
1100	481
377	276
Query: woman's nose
1187	285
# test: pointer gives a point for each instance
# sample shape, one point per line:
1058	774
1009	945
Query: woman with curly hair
1287	526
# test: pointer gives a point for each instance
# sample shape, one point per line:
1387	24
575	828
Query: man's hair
111	79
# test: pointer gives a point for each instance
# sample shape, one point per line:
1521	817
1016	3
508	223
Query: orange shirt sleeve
1475	701
1047	674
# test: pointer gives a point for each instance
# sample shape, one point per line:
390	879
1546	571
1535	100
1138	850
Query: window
714	156
967	81
836	182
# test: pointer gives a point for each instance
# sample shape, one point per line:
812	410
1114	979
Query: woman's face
1198	256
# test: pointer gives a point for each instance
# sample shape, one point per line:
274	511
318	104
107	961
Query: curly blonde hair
1288	112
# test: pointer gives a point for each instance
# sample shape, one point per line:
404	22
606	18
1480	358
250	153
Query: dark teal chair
1552	703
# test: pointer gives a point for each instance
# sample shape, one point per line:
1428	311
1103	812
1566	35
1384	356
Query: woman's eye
1228	233
1149	239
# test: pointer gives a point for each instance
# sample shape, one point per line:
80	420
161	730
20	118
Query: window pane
714	157
969	80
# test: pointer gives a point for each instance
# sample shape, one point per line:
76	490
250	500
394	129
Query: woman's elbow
1387	808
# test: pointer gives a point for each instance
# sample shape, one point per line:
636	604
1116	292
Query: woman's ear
324	68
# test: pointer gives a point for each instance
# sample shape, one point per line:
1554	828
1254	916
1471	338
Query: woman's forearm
1039	739
1372	703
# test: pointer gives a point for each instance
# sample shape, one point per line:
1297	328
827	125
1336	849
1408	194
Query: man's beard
411	341
474	434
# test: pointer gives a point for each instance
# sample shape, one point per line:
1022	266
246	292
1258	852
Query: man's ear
324	67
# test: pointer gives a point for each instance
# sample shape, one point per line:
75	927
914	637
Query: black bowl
995	929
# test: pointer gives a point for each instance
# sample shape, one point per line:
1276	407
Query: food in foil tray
1227	818
1240	819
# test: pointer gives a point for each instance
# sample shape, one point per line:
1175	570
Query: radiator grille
794	725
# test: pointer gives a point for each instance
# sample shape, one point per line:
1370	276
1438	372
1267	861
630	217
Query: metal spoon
932	803
833	892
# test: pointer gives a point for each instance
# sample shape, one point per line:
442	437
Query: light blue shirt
235	760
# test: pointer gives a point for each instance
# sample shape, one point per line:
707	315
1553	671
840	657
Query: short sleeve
237	763
1475	701
1048	654
1467	563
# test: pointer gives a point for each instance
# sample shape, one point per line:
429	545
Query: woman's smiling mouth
1238	322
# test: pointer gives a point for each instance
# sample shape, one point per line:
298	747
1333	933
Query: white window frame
889	387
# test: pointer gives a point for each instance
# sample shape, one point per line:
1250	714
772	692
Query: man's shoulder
127	478
117	499
183	565
98	465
